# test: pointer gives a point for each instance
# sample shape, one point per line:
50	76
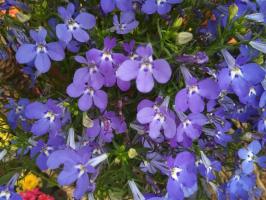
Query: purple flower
182	176
7	192
253	96
126	24
258	16
190	126
153	162
107	60
89	94
109	5
159	118
192	96
160	6
89	71
240	77
7	4
74	27
207	167
145	70
105	126
249	155
77	166
16	113
219	136
42	150
40	53
241	186
198	58
48	117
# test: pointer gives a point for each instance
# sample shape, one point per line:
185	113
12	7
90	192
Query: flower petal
63	33
145	115
26	53
161	71
40	127
145	81
181	101
128	70
42	62
35	110
100	99
55	51
81	35
85	102
86	20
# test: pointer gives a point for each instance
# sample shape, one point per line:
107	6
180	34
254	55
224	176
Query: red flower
35	194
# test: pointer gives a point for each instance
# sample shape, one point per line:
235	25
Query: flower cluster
184	117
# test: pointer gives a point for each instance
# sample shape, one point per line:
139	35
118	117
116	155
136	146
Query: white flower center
252	91
50	116
19	109
186	123
107	56
235	72
160	117
159	2
175	172
6	194
41	48
81	169
89	91
250	156
193	89
72	24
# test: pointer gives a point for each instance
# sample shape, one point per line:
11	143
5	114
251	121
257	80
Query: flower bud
178	22
132	153
184	37
233	10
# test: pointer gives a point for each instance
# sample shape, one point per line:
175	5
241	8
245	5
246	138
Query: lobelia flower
153	162
7	192
105	125
42	150
89	71
219	136
145	70
41	52
77	166
107	60
158	117
192	96
48	117
126	24
162	7
129	48
190	126
258	45
16	113
258	16
240	77
249	155
180	168
253	96
89	94
109	5
241	186
74	27
207	167
199	58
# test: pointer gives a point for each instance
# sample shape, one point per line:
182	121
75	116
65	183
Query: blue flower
240	77
49	117
74	27
109	5
160	6
77	166
16	114
126	24
249	155
40	52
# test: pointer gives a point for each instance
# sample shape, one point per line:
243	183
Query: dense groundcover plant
142	99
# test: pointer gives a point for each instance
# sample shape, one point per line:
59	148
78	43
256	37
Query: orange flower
232	41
